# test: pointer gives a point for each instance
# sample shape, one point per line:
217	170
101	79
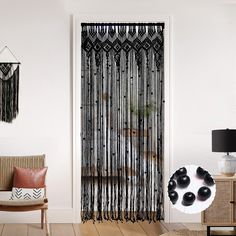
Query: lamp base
227	165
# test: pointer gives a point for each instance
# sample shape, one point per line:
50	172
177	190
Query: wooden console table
222	212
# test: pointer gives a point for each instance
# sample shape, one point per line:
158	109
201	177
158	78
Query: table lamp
224	140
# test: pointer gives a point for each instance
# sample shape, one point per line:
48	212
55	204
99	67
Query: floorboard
1	228
62	230
153	229
15	230
86	229
131	229
195	226
105	228
35	230
108	228
173	226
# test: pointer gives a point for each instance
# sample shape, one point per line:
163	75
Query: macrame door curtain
122	121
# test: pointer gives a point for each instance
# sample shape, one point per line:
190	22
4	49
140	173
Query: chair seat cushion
23	202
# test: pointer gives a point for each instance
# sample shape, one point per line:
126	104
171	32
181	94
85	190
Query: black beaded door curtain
122	121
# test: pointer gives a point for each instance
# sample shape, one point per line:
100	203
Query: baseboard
67	216
54	216
179	217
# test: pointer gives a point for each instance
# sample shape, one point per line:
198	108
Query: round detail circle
191	189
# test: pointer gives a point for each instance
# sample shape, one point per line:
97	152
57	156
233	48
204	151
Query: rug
185	232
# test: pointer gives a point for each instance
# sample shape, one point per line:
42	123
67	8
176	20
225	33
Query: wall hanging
122	121
9	87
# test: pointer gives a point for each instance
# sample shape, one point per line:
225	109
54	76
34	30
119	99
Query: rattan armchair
7	164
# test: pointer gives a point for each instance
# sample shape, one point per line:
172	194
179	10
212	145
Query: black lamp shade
224	140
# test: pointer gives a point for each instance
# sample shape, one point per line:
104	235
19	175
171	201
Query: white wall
38	33
203	84
203	95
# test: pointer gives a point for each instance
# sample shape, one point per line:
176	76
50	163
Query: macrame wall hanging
9	87
122	121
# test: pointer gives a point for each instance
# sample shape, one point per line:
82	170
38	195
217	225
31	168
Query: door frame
76	90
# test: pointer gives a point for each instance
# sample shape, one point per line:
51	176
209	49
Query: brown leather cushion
29	178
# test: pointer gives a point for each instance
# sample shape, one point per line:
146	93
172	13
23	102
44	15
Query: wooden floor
95	229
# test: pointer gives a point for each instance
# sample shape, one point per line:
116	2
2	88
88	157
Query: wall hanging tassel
9	89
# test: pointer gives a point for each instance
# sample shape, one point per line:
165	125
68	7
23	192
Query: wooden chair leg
42	218
46	222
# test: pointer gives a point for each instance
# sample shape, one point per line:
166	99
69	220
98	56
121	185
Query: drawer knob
231	202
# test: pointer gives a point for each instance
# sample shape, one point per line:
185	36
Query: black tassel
9	90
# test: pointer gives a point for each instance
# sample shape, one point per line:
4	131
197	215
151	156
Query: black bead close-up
208	179
204	193
201	172
171	185
191	188
188	199
172	177
180	171
183	181
173	195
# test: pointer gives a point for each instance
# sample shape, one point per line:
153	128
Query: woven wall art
9	89
122	121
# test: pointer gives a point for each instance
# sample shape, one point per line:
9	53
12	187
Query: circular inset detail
188	199
180	171
191	189
173	195
171	185
204	193
183	181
